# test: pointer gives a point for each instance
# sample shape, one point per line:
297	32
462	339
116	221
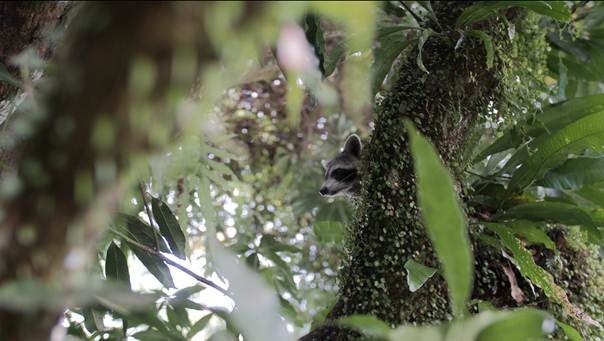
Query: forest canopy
161	162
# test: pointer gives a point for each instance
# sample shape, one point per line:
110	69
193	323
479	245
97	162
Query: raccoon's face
341	175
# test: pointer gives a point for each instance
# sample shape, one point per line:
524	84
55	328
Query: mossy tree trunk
446	105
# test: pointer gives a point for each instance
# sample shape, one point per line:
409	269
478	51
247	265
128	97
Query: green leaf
150	335
552	119
593	194
424	333
116	265
417	274
367	324
482	324
556	212
141	232
251	296
574	174
420	45
184	293
199	326
177	316
571	333
587	132
93	319
488	45
537	275
314	35
443	219
155	265
531	233
268	242
329	231
483	10
525	324
169	227
389	46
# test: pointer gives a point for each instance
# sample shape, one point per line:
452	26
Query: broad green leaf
177	316
31	295
188	291
551	211
443	218
169	227
141	232
424	333
428	7
199	326
585	133
389	46
574	174
334	58
150	335
116	265
417	274
329	231
593	194
552	119
187	303
483	10
537	275
478	326
268	242
93	319
155	265
149	317
531	233
251	296
367	324
420	45
524	324
314	35
571	333
488	45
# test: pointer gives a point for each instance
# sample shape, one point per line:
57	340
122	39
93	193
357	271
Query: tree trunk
446	105
22	25
72	162
25	24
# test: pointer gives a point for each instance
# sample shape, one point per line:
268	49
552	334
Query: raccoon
341	174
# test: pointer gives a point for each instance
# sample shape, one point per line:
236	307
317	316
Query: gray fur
341	173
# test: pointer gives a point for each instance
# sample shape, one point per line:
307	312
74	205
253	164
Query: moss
444	105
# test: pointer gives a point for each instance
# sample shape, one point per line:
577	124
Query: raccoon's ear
353	145
324	164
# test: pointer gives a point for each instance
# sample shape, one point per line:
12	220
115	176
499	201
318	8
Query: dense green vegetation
168	174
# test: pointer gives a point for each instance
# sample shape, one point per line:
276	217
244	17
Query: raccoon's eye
342	174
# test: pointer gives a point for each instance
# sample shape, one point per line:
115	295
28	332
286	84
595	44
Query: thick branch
387	230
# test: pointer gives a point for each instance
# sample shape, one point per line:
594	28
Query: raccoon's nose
323	190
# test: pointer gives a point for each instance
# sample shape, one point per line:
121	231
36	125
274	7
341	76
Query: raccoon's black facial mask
344	175
341	175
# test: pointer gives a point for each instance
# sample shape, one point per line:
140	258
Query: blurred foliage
234	204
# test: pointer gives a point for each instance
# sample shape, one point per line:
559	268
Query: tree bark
446	105
25	24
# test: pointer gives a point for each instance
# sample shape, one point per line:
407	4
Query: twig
174	264
149	215
194	275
